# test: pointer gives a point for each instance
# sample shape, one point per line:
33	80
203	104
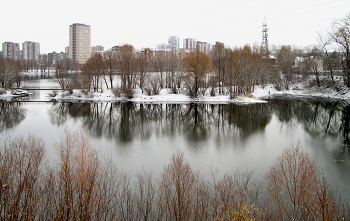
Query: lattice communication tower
265	41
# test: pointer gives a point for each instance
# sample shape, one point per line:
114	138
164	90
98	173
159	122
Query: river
222	137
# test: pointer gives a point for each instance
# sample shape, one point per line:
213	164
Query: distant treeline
222	71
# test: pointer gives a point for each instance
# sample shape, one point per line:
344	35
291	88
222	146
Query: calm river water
222	137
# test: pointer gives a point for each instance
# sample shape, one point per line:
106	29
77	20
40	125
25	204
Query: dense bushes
80	186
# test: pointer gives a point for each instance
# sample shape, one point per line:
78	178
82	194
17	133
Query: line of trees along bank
80	186
225	71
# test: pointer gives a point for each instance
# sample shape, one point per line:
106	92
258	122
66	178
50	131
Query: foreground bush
79	186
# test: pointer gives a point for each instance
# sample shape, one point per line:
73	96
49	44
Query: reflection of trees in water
59	113
126	121
319	117
248	119
11	114
196	121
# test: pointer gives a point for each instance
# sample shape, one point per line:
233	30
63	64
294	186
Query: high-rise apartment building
174	43
189	44
11	50
80	42
31	51
204	47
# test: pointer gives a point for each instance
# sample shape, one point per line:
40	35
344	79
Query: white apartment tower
204	47
79	42
189	44
31	51
11	50
174	43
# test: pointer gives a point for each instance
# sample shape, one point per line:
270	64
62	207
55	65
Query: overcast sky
148	23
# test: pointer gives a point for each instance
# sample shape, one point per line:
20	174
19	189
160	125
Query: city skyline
146	24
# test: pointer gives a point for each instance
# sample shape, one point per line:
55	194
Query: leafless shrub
203	91
116	91
82	187
145	197
277	81
177	189
236	197
296	191
153	85
75	179
212	92
129	93
21	167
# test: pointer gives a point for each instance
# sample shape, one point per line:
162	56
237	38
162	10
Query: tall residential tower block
79	42
11	50
31	51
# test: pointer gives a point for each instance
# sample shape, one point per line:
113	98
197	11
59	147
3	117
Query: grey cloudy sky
148	23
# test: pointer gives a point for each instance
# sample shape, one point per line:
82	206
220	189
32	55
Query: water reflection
319	117
11	115
127	121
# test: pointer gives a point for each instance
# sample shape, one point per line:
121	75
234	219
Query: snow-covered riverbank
260	94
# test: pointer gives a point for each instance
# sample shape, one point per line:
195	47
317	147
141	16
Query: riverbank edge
260	95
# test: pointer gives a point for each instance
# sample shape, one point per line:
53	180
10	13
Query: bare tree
142	67
314	63
62	77
340	34
126	65
175	71
220	64
111	65
159	65
325	44
197	65
9	72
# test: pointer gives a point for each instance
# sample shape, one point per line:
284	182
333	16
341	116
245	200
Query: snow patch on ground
259	95
139	97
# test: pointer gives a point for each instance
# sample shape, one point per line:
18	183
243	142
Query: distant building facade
174	43
162	46
54	57
11	50
218	45
31	51
79	42
189	44
116	48
97	49
204	47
